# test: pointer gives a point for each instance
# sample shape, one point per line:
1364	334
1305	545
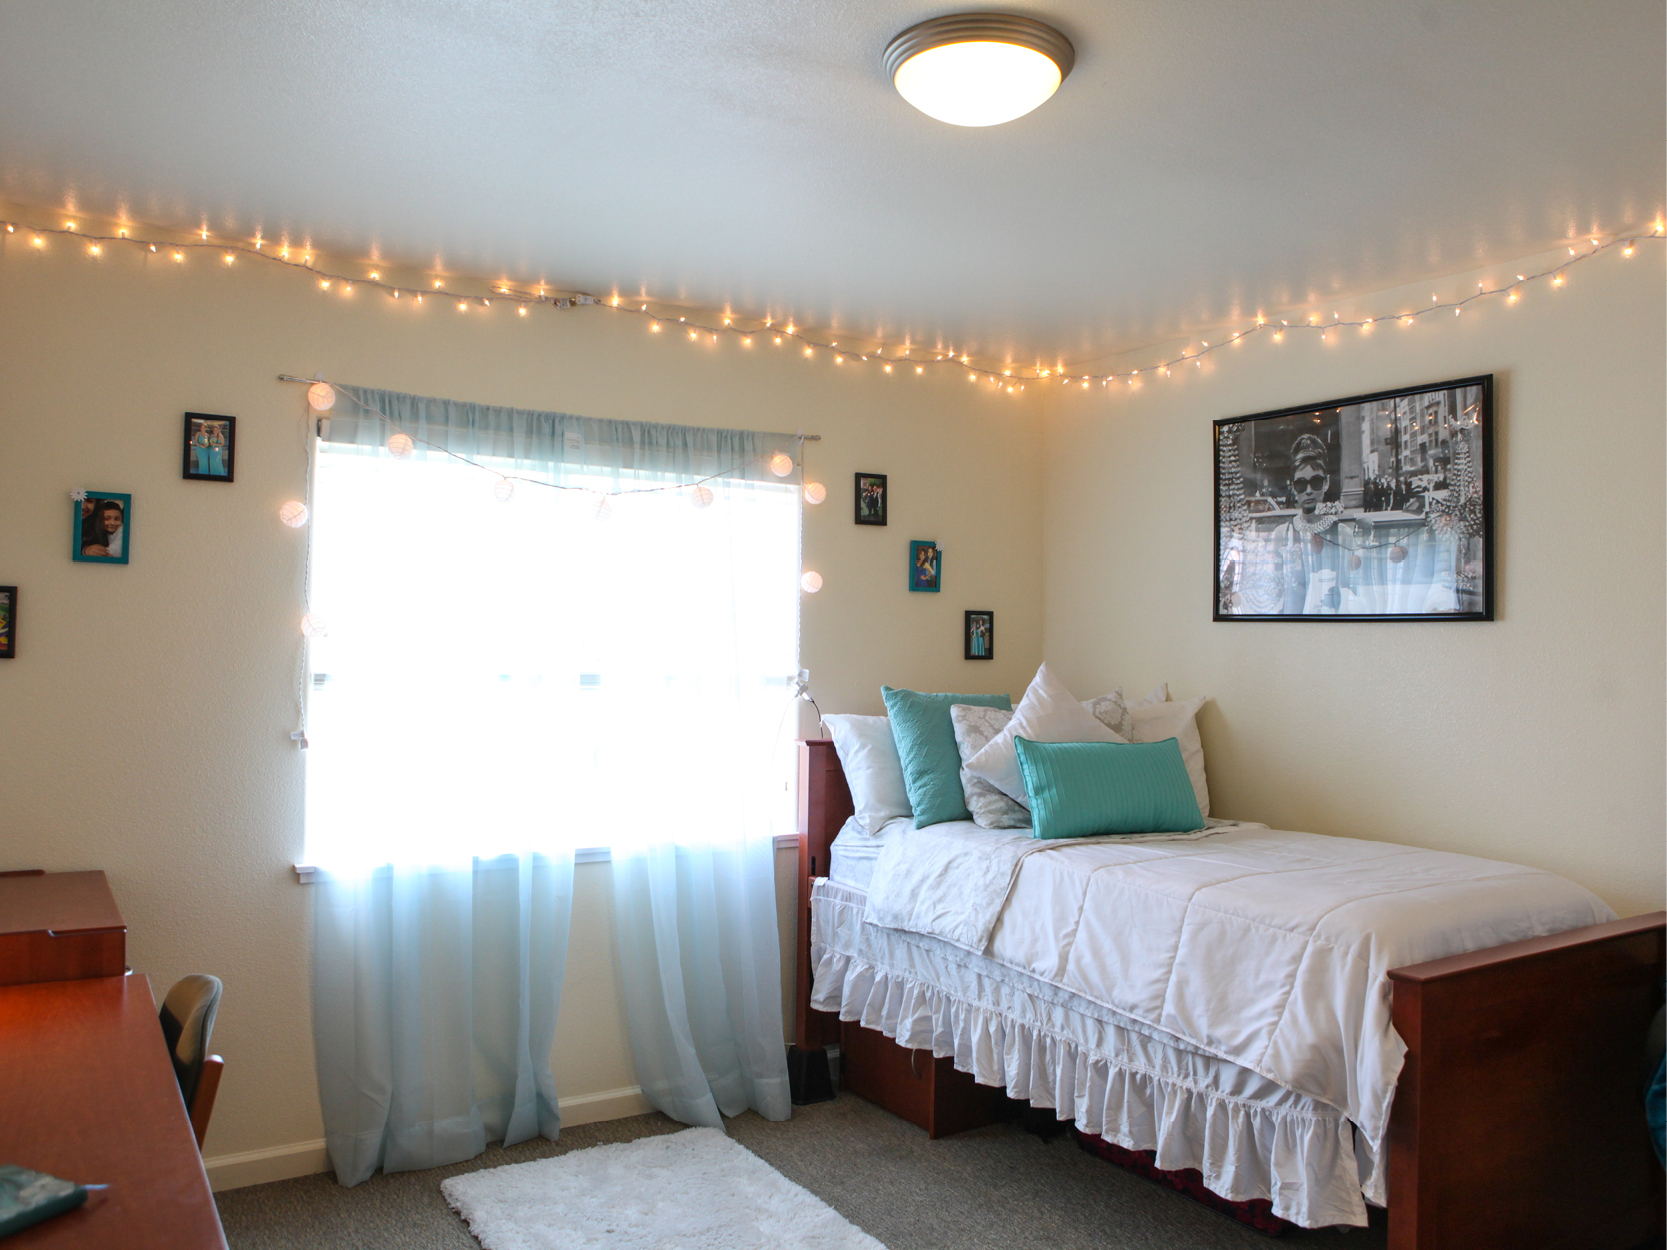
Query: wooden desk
87	1093
59	926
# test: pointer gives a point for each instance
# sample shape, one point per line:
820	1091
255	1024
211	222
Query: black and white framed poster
1376	507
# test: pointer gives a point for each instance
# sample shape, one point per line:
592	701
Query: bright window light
500	677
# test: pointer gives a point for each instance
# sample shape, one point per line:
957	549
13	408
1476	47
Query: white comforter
1265	948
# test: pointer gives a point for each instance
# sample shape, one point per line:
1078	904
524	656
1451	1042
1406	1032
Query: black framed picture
980	635
1376	507
871	499
925	565
8	622
101	526
210	447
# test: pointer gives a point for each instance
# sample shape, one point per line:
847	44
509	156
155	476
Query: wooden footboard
1518	1121
1519	1117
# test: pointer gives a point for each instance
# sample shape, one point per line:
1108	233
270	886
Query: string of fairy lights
712	327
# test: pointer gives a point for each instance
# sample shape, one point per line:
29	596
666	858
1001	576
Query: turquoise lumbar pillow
925	738
1079	789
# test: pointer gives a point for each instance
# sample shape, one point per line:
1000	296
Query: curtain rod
290	377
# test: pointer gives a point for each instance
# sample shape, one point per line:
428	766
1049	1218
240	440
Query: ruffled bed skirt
1249	1137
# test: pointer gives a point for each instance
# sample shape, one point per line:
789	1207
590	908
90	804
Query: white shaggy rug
694	1190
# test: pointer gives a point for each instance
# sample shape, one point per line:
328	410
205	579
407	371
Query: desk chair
187	1019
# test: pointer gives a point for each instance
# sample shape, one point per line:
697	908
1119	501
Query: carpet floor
995	1188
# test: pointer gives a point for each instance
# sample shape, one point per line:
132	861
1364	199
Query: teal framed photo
925	565
101	526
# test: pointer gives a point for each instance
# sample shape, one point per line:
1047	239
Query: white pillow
1047	713
1153	722
872	767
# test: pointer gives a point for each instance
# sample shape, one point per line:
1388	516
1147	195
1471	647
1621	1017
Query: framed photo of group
871	498
210	447
979	635
1372	508
8	622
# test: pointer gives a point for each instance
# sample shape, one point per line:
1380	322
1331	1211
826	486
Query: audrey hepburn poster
1377	507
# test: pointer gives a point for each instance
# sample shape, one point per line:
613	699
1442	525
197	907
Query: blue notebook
28	1197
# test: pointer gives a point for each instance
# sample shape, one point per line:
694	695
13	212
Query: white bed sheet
1106	958
854	851
1249	1136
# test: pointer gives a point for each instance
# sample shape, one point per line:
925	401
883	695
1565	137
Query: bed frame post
1519	1117
824	806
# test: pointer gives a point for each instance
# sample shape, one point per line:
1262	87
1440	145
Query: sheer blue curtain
504	671
435	994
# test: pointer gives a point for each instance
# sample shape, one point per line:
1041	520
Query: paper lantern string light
1009	379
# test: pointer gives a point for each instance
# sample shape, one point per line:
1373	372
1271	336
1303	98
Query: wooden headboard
824	807
824	800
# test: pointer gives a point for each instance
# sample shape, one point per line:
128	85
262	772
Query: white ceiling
1204	159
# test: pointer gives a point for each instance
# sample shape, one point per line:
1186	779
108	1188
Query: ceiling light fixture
978	69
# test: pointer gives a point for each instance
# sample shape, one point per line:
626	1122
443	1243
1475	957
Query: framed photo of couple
101	526
925	566
1371	508
979	635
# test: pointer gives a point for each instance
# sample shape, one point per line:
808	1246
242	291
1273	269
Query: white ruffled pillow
1048	713
873	769
1155	721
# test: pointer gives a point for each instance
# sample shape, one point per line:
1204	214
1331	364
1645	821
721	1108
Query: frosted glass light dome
978	69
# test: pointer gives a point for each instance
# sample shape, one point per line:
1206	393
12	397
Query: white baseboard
282	1163
609	1104
275	1163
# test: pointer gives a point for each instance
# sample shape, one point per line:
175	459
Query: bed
1502	1109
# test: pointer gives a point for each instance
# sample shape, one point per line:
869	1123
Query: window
561	667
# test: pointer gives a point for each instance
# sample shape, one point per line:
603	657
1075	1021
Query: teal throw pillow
925	738
1079	789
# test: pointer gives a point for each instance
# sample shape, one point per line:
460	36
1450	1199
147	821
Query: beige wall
148	712
1536	738
149	709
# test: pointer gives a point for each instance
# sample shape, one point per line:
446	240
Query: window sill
307	874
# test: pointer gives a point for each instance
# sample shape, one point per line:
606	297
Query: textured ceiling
1203	160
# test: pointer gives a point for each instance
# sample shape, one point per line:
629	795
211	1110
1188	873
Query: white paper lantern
400	446
322	396
604	508
781	464
503	490
812	582
314	626
815	492
701	497
293	514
